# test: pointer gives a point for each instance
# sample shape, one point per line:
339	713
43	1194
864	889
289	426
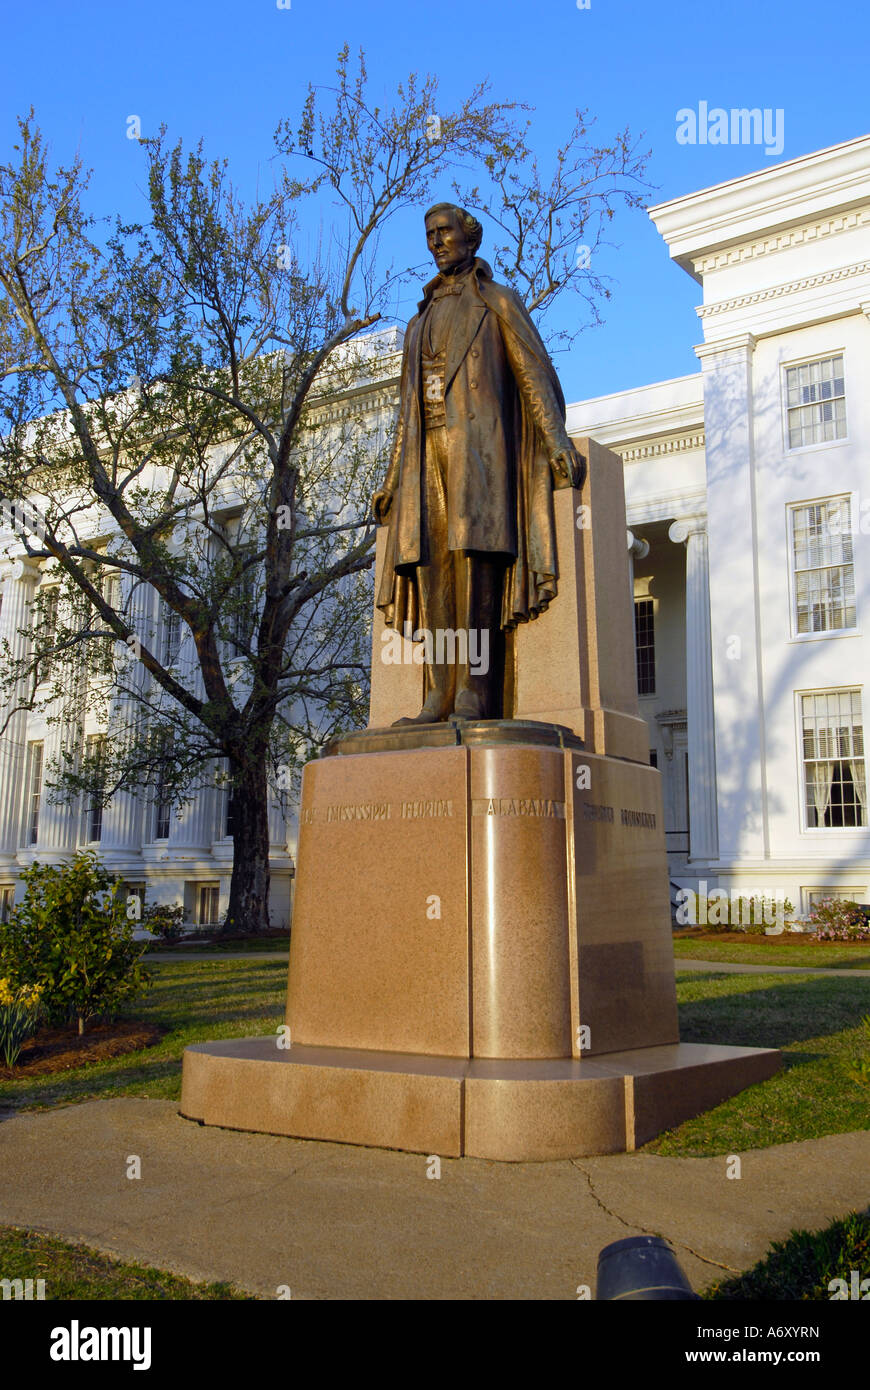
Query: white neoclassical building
748	497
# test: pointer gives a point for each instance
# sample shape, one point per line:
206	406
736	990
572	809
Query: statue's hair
470	225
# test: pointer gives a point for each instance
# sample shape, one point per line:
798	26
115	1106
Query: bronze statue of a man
480	444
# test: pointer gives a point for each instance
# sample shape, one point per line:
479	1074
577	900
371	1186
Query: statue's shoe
429	714
468	706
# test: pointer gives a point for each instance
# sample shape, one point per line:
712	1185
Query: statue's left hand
569	468
381	503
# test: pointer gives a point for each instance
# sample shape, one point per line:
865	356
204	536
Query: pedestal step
513	1110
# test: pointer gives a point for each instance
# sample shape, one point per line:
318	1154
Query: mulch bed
61	1049
752	938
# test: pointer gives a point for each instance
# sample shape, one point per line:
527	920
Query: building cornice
658	448
814	190
802	235
379	396
806	282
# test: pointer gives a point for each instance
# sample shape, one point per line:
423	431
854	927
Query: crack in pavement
633	1226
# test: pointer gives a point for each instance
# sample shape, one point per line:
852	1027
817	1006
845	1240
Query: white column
122	825
277	827
196	826
637	550
124	817
19	584
703	809
60	821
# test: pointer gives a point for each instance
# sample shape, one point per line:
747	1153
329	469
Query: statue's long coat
505	419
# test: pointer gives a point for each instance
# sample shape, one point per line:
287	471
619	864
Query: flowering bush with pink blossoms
836	920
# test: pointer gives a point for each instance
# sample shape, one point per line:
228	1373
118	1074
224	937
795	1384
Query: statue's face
447	241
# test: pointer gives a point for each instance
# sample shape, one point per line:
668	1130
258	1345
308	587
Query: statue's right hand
381	503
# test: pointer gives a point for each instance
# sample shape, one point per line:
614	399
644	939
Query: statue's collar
479	268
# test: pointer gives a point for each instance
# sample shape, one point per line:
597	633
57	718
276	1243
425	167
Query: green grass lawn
195	1001
74	1271
839	954
816	1021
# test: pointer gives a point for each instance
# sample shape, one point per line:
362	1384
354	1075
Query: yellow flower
27	994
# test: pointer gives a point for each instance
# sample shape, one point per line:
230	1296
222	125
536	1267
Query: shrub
165	920
20	1008
763	912
70	935
766	912
836	920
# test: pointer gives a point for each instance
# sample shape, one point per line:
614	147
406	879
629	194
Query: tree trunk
248	910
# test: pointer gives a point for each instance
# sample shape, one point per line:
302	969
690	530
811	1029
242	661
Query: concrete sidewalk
683	963
333	1221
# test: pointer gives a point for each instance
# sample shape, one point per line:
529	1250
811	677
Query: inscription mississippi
364	810
377	811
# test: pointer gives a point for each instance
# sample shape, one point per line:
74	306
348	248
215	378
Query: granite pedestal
481	960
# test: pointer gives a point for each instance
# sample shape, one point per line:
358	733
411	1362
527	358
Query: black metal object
641	1268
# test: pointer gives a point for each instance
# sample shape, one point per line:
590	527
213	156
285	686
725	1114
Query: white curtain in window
856	767
823	776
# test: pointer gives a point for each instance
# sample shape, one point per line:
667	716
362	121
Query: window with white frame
7	901
34	793
833	757
242	614
111	590
162	801
101	652
136	890
48	604
815	394
823	572
813	896
645	646
171	635
207	904
92	809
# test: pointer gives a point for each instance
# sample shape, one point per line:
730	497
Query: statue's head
453	236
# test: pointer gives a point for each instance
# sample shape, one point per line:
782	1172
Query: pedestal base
514	1111
481	960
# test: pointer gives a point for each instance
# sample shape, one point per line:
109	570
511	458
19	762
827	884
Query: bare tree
163	389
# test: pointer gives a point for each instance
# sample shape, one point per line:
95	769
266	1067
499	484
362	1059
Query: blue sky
228	70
